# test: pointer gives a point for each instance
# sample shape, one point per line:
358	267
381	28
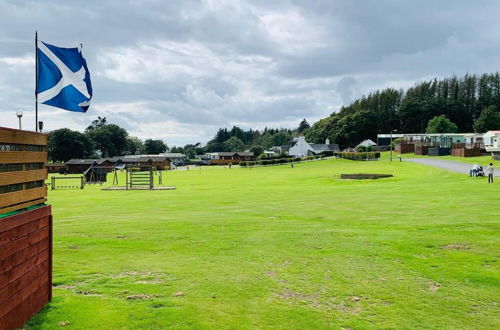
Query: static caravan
492	143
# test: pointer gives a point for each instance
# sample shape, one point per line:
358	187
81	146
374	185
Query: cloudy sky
178	70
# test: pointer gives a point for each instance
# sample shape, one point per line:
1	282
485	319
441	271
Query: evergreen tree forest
461	100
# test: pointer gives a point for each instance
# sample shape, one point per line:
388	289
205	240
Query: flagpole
36	81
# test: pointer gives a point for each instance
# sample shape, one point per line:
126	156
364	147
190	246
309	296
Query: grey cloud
178	70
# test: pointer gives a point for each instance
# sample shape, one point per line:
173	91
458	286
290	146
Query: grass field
481	160
290	248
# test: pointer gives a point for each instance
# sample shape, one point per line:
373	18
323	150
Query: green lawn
481	160
279	247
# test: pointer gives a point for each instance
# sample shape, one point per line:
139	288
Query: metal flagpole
36	81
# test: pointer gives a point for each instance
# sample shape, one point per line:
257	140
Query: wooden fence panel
25	265
23	184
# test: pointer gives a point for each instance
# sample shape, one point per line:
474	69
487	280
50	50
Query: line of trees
103	139
469	103
238	139
100	139
472	103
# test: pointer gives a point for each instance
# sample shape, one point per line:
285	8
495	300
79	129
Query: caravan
492	143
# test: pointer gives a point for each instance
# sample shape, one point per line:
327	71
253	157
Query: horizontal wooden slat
22	230
17	157
22	243
27	291
23	205
22	255
27	308
21	196
10	135
22	176
15	220
16	272
21	282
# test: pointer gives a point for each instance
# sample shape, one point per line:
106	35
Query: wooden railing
22	169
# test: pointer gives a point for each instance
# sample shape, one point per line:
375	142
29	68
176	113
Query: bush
359	155
364	148
326	153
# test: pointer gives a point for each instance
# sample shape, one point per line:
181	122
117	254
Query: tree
233	144
64	144
355	127
96	123
191	150
441	124
153	147
134	146
175	149
281	138
488	120
303	126
110	139
257	150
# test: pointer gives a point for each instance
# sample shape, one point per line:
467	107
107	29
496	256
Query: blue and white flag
63	78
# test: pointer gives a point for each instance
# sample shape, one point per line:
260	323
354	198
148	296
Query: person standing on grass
490	170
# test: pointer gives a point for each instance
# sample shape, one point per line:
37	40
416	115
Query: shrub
359	155
328	153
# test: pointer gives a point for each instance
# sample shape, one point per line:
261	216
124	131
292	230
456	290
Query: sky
179	70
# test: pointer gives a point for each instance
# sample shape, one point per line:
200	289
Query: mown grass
480	160
279	247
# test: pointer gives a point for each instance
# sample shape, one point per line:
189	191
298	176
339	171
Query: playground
278	247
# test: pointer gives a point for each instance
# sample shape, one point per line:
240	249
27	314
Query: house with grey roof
302	148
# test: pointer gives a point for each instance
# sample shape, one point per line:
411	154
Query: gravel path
448	165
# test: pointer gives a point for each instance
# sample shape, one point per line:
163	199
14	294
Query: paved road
449	165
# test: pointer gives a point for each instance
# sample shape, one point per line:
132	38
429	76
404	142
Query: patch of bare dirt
455	247
178	294
270	274
149	282
86	293
354	298
287	293
64	287
140	297
132	273
434	286
348	308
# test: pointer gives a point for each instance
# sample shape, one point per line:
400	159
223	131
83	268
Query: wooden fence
22	169
463	150
404	148
26	234
25	265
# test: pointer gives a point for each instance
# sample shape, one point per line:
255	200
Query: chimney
327	141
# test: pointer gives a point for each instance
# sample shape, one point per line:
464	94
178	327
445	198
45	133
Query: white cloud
178	70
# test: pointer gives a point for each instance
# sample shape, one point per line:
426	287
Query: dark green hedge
277	161
359	155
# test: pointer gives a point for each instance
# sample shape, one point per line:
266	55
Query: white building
491	141
302	148
367	143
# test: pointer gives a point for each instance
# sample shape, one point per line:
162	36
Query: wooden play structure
25	227
67	182
140	177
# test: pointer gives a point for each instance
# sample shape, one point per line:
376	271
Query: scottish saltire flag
63	78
